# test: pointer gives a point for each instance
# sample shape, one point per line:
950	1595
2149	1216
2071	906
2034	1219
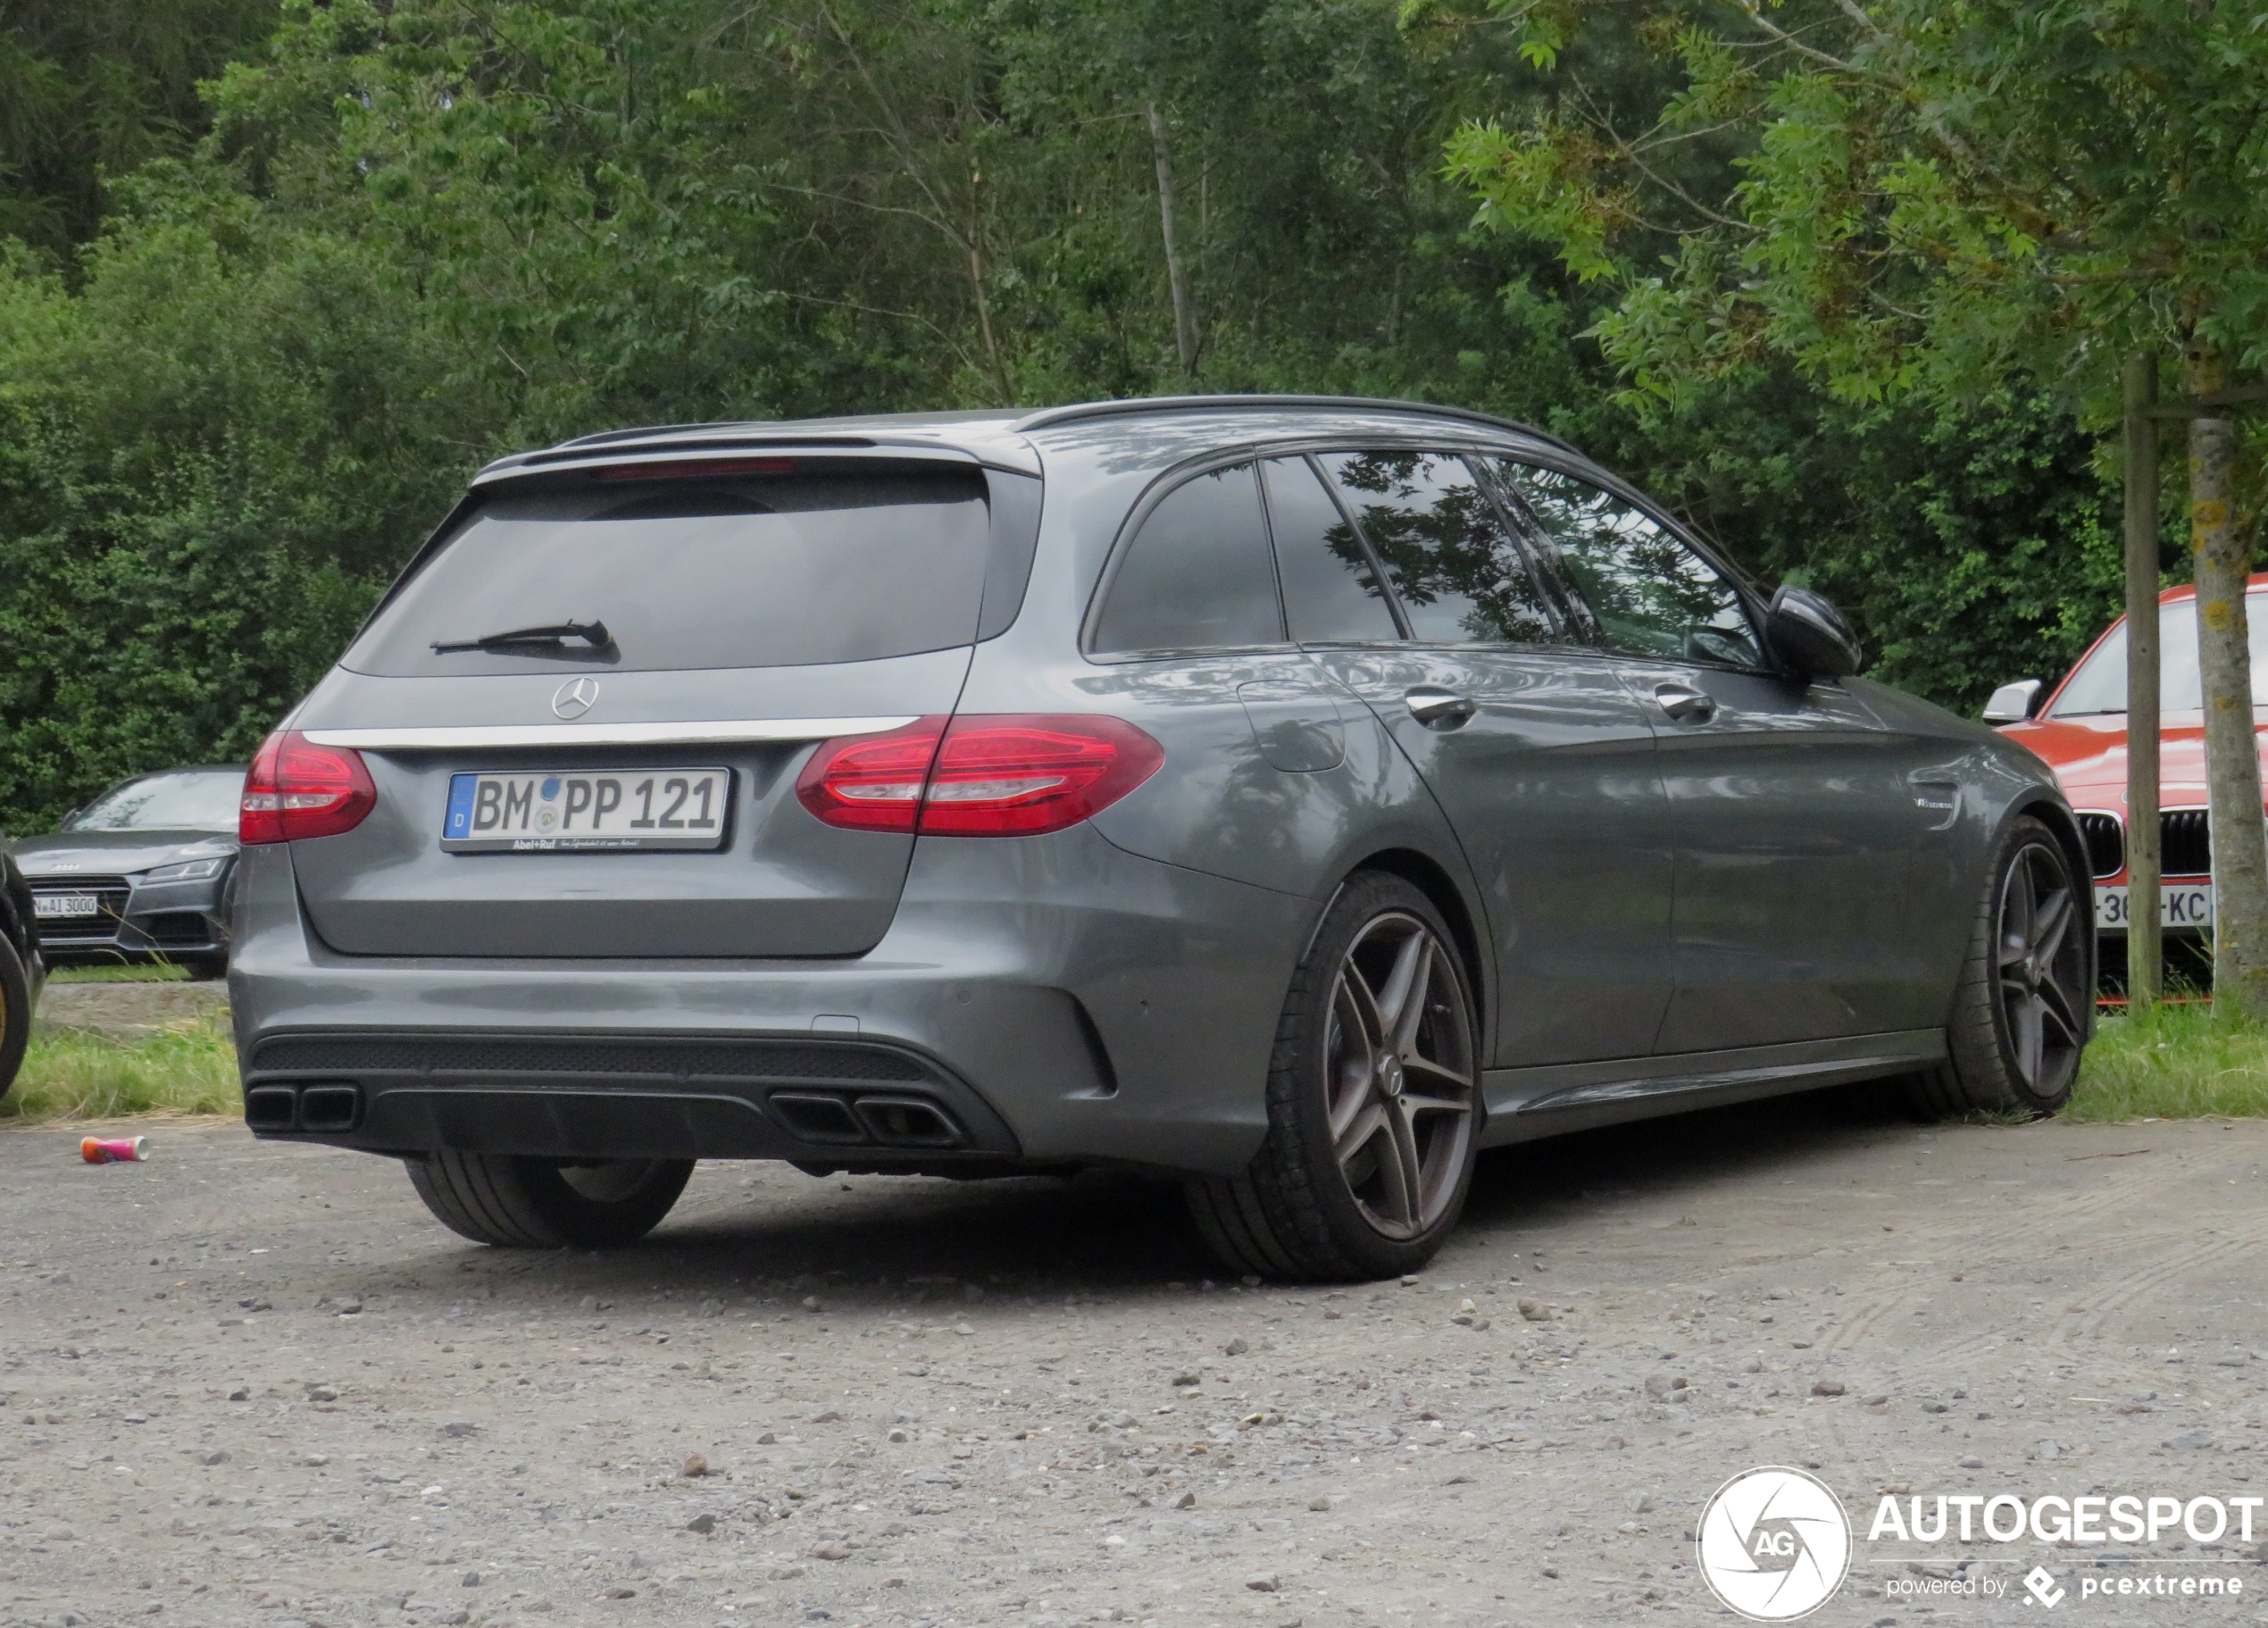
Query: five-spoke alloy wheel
1373	1101
1397	1066
2025	1008
2042	968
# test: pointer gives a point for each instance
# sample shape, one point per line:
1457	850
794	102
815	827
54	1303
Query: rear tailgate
493	766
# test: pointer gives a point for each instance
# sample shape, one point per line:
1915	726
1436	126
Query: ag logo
575	698
1774	1544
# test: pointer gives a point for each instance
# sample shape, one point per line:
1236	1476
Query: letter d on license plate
587	811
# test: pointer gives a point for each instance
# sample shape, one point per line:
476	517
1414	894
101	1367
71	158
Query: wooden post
2145	945
1185	324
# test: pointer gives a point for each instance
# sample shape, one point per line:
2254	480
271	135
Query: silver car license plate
587	811
64	906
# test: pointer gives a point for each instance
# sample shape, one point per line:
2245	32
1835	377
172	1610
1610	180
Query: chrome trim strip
723	731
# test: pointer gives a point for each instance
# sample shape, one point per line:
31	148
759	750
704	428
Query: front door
1794	827
1540	758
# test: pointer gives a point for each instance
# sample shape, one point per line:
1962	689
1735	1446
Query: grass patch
153	973
2176	1063
78	1073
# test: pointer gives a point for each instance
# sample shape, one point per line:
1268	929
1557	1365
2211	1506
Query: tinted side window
1651	594
1332	592
1197	573
1454	565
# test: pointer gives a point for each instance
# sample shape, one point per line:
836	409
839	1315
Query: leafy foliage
422	232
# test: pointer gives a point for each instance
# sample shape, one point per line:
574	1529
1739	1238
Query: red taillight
871	782
296	789
1009	776
1002	775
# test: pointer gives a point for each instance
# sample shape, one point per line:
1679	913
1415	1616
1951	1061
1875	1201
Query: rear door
1796	825
628	788
1539	754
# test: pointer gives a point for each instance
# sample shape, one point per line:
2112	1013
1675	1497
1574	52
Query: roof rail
1048	416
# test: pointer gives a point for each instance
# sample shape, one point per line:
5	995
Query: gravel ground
246	1384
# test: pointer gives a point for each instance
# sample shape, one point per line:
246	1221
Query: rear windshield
2099	686
762	571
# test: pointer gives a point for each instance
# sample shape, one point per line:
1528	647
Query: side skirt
1525	1104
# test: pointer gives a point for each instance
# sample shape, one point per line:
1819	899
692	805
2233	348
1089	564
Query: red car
2080	728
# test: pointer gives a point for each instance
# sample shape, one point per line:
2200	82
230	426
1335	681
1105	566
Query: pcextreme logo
1774	1544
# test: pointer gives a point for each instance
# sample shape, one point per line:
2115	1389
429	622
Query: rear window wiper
592	633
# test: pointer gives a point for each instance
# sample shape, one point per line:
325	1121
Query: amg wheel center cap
1389	1076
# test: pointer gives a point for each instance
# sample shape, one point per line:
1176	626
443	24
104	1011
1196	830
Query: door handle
1437	709
1685	705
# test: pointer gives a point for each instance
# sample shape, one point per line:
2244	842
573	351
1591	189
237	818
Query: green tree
95	88
1950	201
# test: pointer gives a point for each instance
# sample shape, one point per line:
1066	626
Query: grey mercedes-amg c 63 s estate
1293	796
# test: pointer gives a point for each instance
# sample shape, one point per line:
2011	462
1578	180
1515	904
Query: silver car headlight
188	870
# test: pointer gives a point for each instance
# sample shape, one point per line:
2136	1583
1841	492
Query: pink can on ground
115	1150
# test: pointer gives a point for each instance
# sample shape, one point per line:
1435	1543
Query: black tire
2023	1007
204	969
1378	1199
15	1014
543	1203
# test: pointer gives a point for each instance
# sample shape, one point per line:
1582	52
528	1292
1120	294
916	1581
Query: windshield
2099	686
188	799
794	569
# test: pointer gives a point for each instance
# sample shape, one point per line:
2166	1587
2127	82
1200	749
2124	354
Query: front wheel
515	1202
1373	1102
2023	1009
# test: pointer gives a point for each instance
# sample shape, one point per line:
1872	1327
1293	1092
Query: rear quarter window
1197	575
792	570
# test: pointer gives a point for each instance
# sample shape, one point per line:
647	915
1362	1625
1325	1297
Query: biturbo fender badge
575	698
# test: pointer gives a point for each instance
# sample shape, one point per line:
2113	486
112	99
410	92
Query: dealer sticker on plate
2181	904
610	810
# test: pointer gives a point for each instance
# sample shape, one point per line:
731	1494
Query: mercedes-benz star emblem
575	698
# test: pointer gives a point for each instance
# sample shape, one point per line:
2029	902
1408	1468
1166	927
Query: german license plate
64	906
2179	904
602	810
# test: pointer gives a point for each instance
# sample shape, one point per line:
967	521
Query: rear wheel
2023	1009
516	1202
1373	1102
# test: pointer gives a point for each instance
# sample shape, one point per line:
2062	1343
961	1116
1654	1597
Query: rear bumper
1037	1002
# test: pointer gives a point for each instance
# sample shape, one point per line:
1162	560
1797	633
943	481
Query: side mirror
2013	703
1811	636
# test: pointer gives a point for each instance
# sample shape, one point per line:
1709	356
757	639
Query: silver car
141	874
1291	796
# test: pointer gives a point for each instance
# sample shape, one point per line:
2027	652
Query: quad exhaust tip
326	1110
893	1122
